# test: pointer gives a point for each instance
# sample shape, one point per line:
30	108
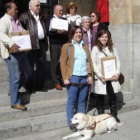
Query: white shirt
76	18
39	26
89	40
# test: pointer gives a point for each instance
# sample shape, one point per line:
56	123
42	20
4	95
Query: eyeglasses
37	5
15	9
73	8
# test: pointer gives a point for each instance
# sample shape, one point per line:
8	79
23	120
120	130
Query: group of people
75	56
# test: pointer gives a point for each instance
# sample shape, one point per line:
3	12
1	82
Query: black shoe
73	128
117	119
44	90
30	91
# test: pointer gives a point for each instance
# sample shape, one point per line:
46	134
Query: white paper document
109	68
58	24
23	42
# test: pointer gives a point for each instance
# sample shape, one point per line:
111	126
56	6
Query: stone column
125	29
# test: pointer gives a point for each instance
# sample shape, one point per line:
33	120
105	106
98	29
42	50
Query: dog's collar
92	127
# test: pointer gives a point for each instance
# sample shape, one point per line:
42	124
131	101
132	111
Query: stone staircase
45	118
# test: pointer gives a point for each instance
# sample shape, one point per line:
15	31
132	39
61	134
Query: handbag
121	77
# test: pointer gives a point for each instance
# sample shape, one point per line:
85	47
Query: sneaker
73	128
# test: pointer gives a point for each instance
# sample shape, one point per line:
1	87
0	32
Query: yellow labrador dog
88	126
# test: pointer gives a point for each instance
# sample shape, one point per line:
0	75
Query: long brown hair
98	15
109	42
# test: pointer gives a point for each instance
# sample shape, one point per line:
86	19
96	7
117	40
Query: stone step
22	127
34	109
50	135
31	98
124	132
10	129
42	104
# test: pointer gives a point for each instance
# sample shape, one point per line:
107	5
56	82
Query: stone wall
125	29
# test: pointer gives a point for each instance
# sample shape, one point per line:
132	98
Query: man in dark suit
57	39
33	21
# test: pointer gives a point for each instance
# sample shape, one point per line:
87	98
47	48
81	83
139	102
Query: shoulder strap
105	53
68	50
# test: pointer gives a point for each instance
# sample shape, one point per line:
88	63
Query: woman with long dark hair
104	48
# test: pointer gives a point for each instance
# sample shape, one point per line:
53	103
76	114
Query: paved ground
129	131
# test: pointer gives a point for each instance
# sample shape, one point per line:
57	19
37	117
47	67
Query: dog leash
92	127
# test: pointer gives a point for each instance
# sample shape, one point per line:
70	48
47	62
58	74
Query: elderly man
17	62
34	22
57	39
87	32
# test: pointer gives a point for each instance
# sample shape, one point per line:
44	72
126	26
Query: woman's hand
116	76
66	82
89	80
102	79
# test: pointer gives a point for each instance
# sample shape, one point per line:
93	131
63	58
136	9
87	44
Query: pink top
95	28
16	25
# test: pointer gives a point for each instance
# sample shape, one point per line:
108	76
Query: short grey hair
85	18
31	2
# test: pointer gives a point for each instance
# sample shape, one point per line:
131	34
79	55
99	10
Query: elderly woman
95	25
77	72
71	15
87	32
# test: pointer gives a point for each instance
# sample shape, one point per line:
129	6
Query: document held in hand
58	24
22	39
109	67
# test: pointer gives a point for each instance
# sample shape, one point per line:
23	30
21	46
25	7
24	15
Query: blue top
80	59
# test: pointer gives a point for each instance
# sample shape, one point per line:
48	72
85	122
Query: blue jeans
76	96
19	71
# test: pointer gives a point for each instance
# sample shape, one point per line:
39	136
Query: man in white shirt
57	38
33	21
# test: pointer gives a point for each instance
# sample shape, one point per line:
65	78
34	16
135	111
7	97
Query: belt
78	85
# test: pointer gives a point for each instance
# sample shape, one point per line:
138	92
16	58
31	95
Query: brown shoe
19	107
58	87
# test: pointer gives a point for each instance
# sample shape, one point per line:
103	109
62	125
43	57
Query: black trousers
110	93
55	52
37	60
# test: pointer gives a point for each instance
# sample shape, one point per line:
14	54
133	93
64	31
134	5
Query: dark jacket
54	37
29	23
101	26
85	37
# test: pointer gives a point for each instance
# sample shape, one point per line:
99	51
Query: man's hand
14	48
61	31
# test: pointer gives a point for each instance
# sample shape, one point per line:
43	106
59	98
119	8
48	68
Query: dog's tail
120	124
